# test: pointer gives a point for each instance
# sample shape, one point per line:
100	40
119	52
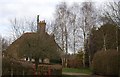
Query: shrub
75	60
74	63
106	63
17	67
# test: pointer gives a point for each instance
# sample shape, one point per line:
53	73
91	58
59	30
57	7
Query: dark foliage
15	67
95	41
106	62
75	60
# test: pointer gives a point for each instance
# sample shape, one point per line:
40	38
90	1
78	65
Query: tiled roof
12	50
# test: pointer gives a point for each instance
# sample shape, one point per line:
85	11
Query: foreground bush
106	63
11	66
18	68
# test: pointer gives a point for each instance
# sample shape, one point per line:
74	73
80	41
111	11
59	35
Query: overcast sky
9	9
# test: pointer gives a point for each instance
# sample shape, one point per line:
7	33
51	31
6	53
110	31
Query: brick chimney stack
42	25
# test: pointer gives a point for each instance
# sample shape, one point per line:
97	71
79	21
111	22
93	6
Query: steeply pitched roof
18	46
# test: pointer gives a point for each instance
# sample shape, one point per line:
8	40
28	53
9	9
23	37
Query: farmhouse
35	46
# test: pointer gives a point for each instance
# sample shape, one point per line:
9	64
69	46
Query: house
35	46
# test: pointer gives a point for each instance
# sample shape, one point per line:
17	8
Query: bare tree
60	27
20	26
70	22
5	44
113	16
74	31
17	28
31	25
88	17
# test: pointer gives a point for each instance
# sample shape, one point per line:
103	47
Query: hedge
106	63
16	66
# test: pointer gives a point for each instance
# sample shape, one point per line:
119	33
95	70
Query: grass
68	76
77	70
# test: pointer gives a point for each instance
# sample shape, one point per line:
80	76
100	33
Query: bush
17	67
106	63
75	60
74	63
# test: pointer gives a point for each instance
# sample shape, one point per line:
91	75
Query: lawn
77	70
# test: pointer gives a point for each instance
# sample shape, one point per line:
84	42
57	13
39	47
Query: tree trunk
104	41
84	51
66	48
36	64
117	38
74	41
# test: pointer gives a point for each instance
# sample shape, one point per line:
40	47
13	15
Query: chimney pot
42	26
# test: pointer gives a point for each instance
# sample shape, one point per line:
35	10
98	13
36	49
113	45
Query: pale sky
9	9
